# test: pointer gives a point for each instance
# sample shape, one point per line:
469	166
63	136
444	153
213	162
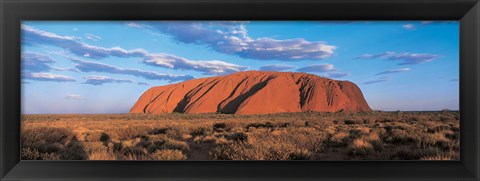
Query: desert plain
372	135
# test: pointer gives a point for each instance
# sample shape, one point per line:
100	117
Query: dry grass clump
361	147
340	138
34	154
169	155
283	136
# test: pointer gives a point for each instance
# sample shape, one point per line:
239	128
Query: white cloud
87	66
276	67
337	74
143	83
74	97
409	26
394	71
92	37
406	57
325	67
99	80
379	80
43	76
211	67
134	25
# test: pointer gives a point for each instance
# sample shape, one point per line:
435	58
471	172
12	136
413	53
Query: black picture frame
12	12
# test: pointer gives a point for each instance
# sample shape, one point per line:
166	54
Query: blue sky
104	66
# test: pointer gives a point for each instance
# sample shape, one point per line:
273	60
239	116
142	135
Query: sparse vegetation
284	136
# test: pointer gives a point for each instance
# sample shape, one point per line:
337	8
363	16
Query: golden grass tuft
361	147
169	155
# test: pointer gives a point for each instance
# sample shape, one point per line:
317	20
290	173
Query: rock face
253	92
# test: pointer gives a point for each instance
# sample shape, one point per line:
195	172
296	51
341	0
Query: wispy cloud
318	68
92	37
232	38
426	22
74	97
379	80
212	67
409	26
143	83
405	57
99	80
43	76
88	66
134	25
394	71
276	67
35	62
337	74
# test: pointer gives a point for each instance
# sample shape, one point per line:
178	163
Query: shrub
199	132
158	131
156	145
361	147
348	122
408	153
104	137
73	152
374	139
130	132
176	145
439	129
219	126
144	142
300	154
340	138
45	135
168	155
33	154
133	151
117	146
221	141
239	136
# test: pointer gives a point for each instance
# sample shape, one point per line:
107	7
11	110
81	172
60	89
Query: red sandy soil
254	92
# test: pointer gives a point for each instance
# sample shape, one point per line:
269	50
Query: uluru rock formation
253	92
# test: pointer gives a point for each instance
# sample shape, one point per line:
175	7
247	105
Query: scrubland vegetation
286	136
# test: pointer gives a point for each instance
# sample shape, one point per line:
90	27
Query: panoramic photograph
240	90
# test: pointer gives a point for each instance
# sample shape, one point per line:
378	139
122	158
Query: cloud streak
318	68
232	38
143	83
99	80
74	97
379	80
87	66
213	67
394	71
92	37
43	76
337	74
409	26
276	67
35	62
405	57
